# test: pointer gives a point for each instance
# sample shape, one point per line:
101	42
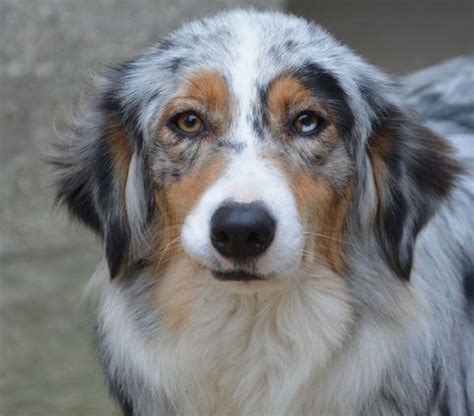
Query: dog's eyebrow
326	87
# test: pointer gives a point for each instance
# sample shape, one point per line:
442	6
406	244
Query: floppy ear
414	170
101	175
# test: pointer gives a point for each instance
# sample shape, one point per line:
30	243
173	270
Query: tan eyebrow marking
287	97
207	93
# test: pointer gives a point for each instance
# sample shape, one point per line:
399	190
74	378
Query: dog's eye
188	122
307	123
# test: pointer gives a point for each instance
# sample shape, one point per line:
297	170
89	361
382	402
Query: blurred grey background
47	366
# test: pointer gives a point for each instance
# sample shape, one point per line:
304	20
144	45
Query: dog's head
255	145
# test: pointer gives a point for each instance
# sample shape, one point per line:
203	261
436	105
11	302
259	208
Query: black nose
240	231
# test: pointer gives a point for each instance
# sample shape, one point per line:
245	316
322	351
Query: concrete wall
46	361
398	35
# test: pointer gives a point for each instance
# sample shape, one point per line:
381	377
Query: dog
282	234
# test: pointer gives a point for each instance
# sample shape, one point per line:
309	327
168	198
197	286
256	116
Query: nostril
259	239
220	240
255	242
253	238
220	237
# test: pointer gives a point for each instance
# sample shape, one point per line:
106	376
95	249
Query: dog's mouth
238	275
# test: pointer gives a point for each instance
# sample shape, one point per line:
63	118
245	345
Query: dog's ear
100	167
414	170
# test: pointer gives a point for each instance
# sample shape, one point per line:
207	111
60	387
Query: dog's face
252	144
260	167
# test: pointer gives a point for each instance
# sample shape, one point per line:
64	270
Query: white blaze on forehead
249	179
243	78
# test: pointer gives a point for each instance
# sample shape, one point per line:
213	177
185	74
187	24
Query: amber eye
307	123
188	122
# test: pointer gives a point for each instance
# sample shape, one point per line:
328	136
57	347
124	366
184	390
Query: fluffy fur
364	303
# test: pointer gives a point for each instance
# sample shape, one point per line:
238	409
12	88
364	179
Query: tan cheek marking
175	202
334	222
323	212
312	196
121	154
183	195
177	276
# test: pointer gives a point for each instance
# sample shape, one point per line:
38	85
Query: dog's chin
243	280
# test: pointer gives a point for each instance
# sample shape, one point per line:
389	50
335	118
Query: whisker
327	236
168	247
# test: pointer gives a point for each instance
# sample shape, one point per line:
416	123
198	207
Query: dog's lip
237	275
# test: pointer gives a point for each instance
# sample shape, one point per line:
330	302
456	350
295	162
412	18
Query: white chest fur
278	353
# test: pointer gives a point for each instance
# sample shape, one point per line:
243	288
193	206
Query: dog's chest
243	355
